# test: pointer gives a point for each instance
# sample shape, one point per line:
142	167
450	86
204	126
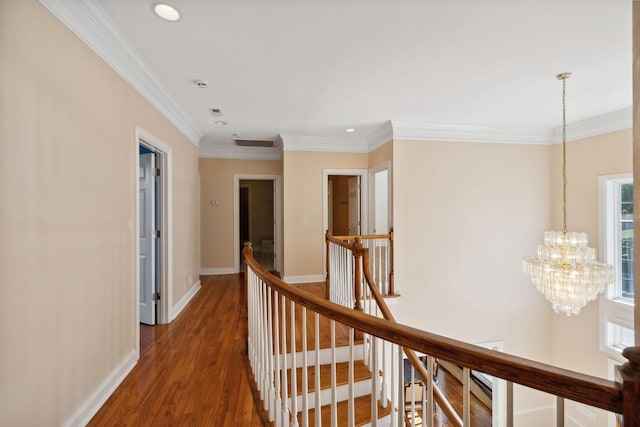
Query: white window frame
616	313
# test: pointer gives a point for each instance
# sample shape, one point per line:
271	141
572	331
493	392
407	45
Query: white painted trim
386	165
312	278
277	205
598	125
414	130
186	298
166	226
323	144
87	409
380	136
87	20
216	271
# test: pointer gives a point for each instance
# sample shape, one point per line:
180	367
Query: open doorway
344	202
258	219
152	231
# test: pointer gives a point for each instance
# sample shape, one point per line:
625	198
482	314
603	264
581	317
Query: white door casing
147	244
354	206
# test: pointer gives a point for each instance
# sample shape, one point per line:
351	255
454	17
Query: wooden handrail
583	388
444	403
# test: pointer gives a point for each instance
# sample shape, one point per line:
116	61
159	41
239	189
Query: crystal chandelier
565	270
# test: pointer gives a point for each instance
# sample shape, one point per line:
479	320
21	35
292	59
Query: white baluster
466	397
402	403
509	404
276	359
305	380
285	383
270	357
317	394
429	396
394	383
351	404
559	411
294	373
375	379
334	382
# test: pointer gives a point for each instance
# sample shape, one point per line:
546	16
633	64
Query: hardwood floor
190	372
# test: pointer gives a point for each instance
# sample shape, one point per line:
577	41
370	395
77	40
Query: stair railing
276	356
342	276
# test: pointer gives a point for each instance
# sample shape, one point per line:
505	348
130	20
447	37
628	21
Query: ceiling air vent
253	143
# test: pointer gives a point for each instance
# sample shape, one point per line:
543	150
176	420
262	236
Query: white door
147	244
354	205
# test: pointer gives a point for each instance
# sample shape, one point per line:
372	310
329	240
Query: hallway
190	372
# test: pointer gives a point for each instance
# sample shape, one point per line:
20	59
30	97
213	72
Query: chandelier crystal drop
565	270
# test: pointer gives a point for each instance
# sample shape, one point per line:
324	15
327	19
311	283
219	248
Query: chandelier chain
564	155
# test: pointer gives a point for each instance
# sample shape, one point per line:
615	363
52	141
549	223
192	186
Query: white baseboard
216	271
313	278
83	414
177	309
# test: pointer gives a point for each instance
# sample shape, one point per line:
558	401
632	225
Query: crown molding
380	136
87	20
323	144
414	130
598	125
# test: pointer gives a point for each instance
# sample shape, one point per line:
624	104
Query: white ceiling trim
335	145
87	20
605	123
380	136
414	130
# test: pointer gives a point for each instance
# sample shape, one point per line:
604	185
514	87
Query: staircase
333	369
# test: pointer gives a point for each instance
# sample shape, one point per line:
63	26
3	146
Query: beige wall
465	215
217	181
381	154
576	338
67	216
302	198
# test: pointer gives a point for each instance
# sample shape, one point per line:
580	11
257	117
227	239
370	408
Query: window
616	234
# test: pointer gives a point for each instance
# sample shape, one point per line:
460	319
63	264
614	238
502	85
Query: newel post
327	282
629	374
357	273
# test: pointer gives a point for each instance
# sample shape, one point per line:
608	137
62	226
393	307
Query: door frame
163	162
364	199
372	199
277	214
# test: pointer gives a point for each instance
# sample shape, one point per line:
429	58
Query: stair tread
362	413
360	373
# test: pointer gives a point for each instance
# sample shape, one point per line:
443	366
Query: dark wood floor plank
190	372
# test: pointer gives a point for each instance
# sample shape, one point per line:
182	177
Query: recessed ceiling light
166	12
221	123
349	130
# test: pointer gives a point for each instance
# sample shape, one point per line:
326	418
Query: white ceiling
308	68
